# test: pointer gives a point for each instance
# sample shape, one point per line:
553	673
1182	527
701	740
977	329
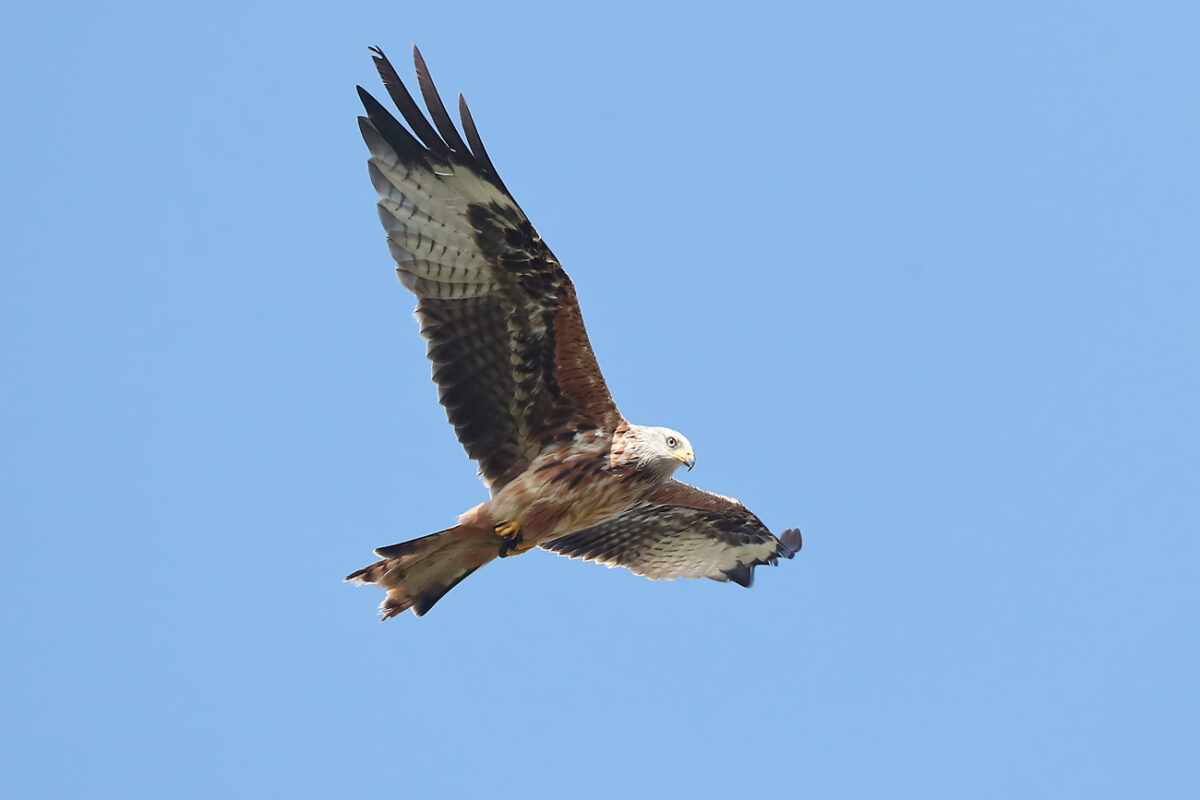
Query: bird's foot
512	542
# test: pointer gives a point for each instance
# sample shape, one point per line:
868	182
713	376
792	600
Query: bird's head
664	449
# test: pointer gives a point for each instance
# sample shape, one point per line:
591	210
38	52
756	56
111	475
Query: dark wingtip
437	110
441	137
408	108
390	129
792	541
742	575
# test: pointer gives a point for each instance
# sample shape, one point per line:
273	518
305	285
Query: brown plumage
521	385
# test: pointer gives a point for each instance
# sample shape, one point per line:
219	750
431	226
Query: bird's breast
566	491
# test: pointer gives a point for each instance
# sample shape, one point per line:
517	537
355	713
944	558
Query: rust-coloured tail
417	573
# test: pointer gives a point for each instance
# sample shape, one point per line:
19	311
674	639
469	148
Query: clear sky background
920	278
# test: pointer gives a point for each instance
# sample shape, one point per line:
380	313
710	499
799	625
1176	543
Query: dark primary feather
682	532
437	110
379	120
407	106
477	149
421	127
510	355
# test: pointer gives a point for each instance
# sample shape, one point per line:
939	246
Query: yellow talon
512	543
520	546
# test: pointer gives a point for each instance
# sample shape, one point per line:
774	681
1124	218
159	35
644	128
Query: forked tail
419	572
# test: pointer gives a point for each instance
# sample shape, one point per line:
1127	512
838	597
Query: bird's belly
600	501
567	497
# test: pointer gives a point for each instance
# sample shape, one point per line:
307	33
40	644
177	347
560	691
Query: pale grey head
662	449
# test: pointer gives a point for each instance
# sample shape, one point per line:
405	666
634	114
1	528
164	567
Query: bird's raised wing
510	355
681	531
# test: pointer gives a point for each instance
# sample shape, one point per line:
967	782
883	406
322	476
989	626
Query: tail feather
411	546
419	572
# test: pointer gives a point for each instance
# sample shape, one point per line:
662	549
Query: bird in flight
520	384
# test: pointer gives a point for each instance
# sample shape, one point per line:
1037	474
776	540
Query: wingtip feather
792	541
437	110
742	574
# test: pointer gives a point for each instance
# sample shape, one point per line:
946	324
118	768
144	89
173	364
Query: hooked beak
688	458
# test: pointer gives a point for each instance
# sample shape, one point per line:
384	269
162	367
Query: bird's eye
672	442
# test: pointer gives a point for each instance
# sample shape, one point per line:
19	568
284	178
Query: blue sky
920	278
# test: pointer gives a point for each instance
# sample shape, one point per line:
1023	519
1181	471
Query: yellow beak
687	457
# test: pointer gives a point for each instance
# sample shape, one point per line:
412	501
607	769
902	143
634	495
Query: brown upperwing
510	353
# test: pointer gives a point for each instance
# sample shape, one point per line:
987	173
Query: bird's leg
512	542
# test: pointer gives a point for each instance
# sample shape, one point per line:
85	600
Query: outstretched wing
510	354
681	531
